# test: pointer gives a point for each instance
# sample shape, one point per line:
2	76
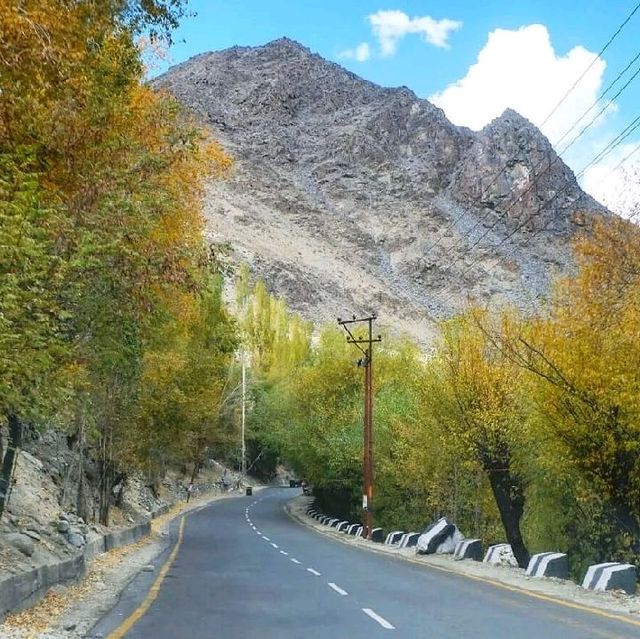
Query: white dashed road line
282	552
266	538
381	620
313	572
337	589
294	560
274	545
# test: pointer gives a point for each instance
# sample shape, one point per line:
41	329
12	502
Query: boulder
63	526
439	538
21	542
76	539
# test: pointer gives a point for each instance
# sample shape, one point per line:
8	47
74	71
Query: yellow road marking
498	584
128	623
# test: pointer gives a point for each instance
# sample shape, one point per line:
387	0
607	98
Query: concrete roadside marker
394	537
611	576
499	554
410	540
548	564
377	535
468	549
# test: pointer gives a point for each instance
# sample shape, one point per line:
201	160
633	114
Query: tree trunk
509	495
106	483
81	500
8	462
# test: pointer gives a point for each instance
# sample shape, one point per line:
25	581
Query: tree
30	316
583	355
482	412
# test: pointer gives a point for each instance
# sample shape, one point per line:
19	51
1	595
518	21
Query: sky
472	58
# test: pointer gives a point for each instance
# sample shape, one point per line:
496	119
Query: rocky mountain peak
349	196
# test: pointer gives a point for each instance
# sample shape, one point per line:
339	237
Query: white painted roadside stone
439	538
377	535
500	555
394	537
611	576
409	540
468	549
342	526
353	529
548	564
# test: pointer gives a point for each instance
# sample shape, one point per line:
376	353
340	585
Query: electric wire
610	147
454	222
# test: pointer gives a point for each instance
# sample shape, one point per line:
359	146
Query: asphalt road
245	570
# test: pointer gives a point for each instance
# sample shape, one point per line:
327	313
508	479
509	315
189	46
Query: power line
453	222
602	110
616	142
598	99
625	133
604	48
610	147
623	161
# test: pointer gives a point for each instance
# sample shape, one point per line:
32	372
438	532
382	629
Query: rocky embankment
41	527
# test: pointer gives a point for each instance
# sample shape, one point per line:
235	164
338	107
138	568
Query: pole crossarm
357	320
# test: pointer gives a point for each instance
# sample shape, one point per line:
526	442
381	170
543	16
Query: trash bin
249	491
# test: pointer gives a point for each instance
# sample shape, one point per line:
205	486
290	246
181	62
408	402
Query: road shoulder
614	605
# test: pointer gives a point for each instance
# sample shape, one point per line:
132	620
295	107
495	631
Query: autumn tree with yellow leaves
101	208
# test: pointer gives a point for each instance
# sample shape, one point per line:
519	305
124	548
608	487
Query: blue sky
524	68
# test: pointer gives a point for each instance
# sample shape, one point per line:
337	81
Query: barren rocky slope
341	189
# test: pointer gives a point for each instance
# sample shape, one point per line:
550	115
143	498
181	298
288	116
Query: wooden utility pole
365	362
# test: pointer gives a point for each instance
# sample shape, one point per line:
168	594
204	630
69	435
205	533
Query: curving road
245	570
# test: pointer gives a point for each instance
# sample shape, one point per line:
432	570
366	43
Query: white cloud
391	26
520	69
361	53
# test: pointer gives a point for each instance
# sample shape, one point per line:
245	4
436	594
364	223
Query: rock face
341	188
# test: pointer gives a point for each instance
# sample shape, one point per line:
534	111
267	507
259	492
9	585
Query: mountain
348	197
